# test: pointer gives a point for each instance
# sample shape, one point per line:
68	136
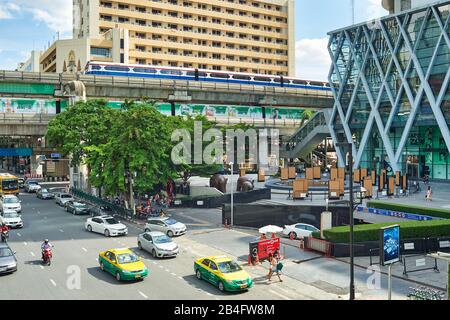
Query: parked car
106	225
32	186
299	230
166	225
123	264
56	190
100	211
44	194
12	219
77	208
10	202
8	261
62	198
158	244
222	272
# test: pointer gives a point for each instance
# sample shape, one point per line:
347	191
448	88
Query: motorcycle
47	256
5	236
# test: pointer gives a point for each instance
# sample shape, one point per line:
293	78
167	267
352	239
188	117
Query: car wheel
154	254
221	286
170	233
292	235
102	266
139	245
147	230
89	228
106	233
118	278
198	274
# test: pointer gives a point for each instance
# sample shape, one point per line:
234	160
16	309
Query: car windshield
11	200
66	196
11	215
79	205
170	222
126	258
44	191
162	239
111	221
10	184
32	182
5	252
229	267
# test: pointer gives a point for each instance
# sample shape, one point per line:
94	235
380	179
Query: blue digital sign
390	245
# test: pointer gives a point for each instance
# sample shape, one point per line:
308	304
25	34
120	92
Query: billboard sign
390	245
261	249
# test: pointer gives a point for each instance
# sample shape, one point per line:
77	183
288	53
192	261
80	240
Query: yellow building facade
255	36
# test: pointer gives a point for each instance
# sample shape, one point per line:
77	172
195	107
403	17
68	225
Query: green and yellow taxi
222	272
123	264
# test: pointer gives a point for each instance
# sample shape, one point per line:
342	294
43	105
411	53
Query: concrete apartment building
255	36
396	6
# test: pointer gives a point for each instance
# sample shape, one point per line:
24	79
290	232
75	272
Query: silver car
8	261
158	244
62	198
166	225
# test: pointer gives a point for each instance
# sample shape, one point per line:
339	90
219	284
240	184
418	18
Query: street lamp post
232	200
352	253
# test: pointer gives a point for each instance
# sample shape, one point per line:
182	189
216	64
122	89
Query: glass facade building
390	80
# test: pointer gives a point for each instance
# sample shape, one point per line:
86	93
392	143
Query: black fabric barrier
216	202
259	215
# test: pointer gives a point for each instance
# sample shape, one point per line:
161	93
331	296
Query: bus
9	184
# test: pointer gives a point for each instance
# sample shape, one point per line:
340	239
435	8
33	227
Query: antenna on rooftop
353	11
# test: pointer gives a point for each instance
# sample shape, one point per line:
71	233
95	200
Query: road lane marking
53	282
61	230
32	254
143	295
41	267
84	249
161	267
167	270
25	243
180	278
19	234
154	262
279	294
174	274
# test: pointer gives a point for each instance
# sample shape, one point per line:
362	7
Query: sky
33	24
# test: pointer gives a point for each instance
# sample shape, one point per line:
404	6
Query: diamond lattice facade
390	80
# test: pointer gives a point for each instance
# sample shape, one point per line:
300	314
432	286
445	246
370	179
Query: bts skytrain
174	73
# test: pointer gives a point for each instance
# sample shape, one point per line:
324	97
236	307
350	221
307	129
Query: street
76	251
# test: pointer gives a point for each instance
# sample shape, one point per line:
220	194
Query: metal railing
59	78
317	120
37	118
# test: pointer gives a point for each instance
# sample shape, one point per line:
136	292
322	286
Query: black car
77	208
44	194
101	211
21	183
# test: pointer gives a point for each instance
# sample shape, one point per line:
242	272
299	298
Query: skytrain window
117	68
241	77
299	82
261	79
317	84
192	74
219	75
173	72
144	70
278	80
96	67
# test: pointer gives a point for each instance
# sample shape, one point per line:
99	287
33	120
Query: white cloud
7	10
312	59
56	14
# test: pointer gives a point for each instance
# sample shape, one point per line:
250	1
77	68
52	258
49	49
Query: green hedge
432	212
371	232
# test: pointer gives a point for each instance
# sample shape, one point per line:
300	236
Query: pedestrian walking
274	267
429	194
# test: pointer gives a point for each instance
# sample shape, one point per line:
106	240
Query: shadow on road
34	262
207	287
105	276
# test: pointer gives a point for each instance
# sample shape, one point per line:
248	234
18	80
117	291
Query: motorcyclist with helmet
4	231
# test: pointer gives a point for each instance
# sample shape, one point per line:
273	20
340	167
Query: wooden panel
317	173
374	177
342	186
334	191
363	173
261	175
398	178
300	188
391	186
292	173
405	183
334	174
368	185
341	173
242	172
309	174
284	174
383	173
357	175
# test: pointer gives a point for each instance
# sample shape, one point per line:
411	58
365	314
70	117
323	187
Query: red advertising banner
263	248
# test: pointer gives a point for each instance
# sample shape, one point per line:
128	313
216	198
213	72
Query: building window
122	44
122	58
101	52
405	5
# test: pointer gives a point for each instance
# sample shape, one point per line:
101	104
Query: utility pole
353	11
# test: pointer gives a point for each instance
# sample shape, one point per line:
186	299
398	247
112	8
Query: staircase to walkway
308	137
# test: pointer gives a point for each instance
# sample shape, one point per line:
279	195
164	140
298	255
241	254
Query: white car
12	219
10	202
299	230
32	186
62	198
165	225
106	225
158	244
